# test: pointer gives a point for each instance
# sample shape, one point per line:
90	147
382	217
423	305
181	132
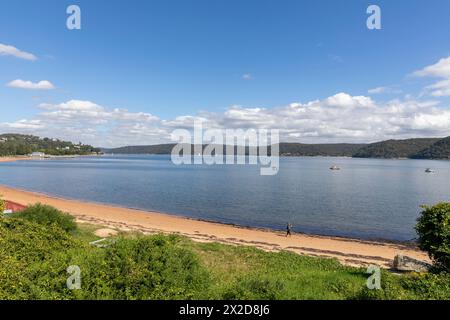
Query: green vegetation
19	144
328	150
410	148
433	227
394	148
47	215
286	149
2	206
438	150
35	254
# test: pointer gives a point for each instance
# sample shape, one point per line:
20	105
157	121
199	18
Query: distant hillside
153	149
286	149
394	148
421	148
331	150
19	144
438	150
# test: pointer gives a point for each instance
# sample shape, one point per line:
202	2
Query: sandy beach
13	159
348	251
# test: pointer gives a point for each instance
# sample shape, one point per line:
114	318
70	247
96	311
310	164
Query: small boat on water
429	170
335	167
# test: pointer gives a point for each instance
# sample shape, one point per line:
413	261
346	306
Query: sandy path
348	251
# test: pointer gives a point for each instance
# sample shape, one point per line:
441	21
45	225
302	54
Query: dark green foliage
287	149
328	150
439	150
146	268
409	287
47	215
249	288
34	259
433	228
427	148
394	148
429	286
30	264
19	144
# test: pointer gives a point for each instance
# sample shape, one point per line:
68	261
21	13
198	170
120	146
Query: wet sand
348	251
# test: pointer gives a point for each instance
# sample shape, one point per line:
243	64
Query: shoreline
349	251
13	159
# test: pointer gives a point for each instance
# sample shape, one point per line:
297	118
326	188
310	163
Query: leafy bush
429	285
29	260
254	288
34	259
433	227
409	287
148	267
2	206
47	215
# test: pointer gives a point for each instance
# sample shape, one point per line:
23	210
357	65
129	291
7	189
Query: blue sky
184	58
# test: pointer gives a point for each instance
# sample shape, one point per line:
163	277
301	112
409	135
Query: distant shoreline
47	157
348	251
13	159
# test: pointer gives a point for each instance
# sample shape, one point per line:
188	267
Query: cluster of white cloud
339	118
439	70
22	84
6	50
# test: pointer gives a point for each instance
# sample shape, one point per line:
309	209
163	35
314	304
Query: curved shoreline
349	251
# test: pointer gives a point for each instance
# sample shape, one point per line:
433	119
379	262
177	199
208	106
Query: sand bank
13	159
348	251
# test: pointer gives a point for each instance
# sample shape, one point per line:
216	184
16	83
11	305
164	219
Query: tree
433	229
2	206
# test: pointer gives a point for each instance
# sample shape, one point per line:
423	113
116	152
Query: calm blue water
368	198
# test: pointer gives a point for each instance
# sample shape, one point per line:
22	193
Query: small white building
37	155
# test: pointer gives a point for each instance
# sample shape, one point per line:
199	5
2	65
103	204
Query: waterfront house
37	155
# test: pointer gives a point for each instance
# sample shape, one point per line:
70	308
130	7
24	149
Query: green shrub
30	264
433	227
47	215
150	267
254	288
429	285
2	206
34	259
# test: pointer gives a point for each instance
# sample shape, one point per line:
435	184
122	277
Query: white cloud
381	90
339	118
247	76
29	85
440	89
24	124
6	50
439	70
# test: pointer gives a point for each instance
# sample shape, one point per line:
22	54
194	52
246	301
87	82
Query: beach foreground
351	252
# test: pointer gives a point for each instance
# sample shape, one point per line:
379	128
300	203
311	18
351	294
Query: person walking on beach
288	229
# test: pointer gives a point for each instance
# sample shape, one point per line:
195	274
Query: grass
34	255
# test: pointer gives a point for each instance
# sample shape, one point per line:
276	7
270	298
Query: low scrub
47	215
